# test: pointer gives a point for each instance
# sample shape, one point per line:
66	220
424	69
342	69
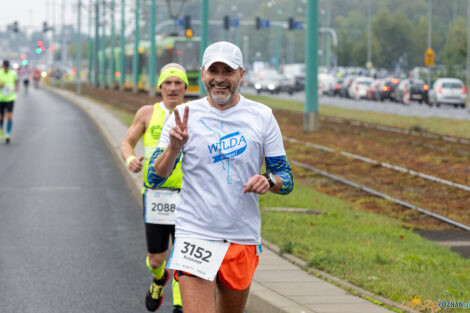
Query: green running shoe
154	298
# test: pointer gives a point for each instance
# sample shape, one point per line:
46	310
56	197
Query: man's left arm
280	168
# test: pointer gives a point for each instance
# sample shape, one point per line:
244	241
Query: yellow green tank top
150	139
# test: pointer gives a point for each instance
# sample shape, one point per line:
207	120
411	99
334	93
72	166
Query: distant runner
25	76
220	141
159	204
8	89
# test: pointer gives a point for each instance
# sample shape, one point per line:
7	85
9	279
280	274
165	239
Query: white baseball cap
224	52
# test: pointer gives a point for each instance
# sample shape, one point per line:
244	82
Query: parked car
373	92
269	80
412	89
337	88
448	91
387	88
347	81
358	88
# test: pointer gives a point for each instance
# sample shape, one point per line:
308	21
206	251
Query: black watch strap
270	179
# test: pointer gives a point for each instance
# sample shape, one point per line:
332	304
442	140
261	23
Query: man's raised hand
179	133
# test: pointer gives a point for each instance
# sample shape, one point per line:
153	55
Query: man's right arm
161	165
133	135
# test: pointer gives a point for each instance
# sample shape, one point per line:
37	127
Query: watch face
272	178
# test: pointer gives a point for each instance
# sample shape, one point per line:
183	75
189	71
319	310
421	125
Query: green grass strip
443	126
368	250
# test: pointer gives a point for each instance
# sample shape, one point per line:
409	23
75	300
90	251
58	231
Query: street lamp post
153	60
111	58
78	63
97	42
204	35
122	56
429	37
135	61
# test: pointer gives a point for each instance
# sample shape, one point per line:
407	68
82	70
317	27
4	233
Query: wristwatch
271	179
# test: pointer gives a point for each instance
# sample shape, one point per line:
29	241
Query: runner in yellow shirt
8	89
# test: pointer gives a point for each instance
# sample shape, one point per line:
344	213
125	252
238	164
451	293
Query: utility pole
152	56
311	117
277	36
204	35
78	62
468	48
135	61
369	35
103	47
327	36
63	44
429	37
112	70
89	45
122	56
97	43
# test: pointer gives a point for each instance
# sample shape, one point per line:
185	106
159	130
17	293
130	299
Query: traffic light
44	27
189	33
187	22
291	23
15	27
40	43
226	22
258	22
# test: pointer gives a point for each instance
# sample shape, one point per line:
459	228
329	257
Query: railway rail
383	195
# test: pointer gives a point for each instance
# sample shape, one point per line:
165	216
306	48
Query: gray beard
222	101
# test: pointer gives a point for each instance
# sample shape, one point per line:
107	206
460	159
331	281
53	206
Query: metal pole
135	61
97	43
122	56
152	61
468	47
62	45
112	69
89	45
103	47
277	36
204	35
327	36
312	118
369	35
429	37
79	48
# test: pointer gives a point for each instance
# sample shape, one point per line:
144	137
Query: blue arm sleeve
154	180
280	166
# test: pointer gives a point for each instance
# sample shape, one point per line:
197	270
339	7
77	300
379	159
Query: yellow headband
172	72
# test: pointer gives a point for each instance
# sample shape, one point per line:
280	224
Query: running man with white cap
221	141
159	204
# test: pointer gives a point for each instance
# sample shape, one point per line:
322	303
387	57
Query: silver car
448	91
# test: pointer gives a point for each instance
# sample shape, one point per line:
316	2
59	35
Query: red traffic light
40	43
23	56
42	48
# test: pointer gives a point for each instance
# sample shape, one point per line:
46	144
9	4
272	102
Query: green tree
393	33
453	54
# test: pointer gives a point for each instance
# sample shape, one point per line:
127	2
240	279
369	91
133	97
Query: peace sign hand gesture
179	133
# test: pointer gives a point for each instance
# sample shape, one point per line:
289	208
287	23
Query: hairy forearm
279	166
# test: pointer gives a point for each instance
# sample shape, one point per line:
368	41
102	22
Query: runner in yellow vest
8	89
159	204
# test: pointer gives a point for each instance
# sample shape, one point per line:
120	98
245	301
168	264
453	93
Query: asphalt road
413	109
71	234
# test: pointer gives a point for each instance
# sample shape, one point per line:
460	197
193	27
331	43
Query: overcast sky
34	12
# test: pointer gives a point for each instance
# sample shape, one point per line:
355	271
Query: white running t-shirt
225	148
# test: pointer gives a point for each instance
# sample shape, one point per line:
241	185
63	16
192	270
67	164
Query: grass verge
368	250
443	126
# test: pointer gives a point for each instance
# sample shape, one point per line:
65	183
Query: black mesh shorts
158	236
6	106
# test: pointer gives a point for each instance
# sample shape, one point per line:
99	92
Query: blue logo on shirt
228	147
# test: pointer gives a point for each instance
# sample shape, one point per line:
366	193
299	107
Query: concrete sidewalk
278	286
